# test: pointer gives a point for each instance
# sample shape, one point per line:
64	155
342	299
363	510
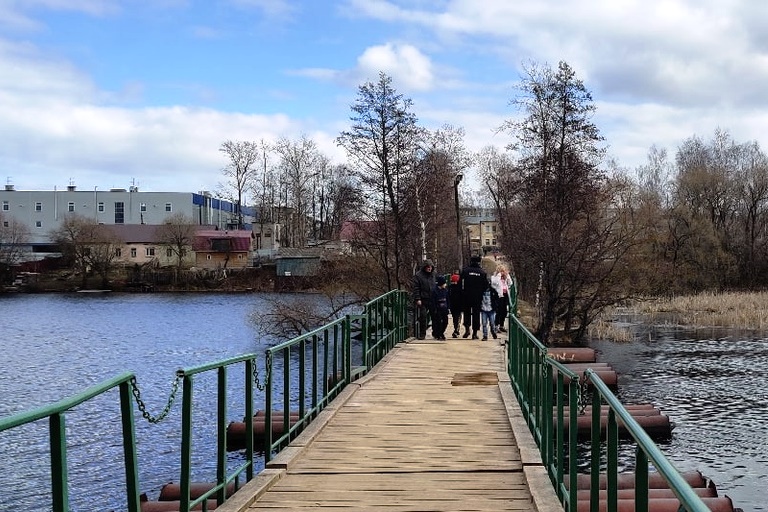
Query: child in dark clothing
441	304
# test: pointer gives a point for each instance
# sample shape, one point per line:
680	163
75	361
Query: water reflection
57	345
709	383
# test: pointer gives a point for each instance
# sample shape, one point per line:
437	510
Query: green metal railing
320	363
55	414
646	451
317	365
223	479
543	386
387	321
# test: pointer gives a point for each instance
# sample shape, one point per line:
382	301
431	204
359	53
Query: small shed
295	268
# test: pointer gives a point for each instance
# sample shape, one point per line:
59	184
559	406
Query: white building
42	211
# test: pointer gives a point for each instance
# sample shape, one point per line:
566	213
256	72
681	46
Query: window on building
168	207
487	228
169	252
119	212
71	206
6	206
143	207
101	206
6	224
38	223
493	242
118	252
221	245
150	251
487	241
493	228
38	206
133	252
239	256
208	257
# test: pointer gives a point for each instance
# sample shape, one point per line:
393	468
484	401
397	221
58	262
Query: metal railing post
129	448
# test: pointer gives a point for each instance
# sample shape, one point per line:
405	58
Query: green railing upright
55	414
317	365
223	479
319	362
387	321
543	386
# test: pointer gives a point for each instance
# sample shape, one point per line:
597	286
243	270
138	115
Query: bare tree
14	240
380	145
87	246
300	165
177	233
564	205
240	171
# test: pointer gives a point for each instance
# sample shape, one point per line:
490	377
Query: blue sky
109	93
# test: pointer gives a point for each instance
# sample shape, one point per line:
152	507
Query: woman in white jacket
501	281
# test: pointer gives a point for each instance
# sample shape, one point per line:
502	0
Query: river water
57	345
712	385
709	382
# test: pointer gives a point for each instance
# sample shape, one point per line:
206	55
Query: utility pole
459	237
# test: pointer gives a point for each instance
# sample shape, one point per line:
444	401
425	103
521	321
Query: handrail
376	331
58	438
539	383
646	451
329	364
387	325
222	478
329	374
539	380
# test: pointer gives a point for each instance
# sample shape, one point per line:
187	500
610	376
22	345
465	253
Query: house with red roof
223	248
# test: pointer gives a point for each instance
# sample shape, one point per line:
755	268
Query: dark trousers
422	319
472	314
501	310
439	323
456	315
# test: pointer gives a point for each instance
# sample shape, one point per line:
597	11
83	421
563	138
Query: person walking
501	281
454	292
422	285
441	304
473	281
488	312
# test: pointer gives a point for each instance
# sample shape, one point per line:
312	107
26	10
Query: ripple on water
712	390
55	346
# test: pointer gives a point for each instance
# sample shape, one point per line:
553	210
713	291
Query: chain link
584	395
175	388
261	386
142	406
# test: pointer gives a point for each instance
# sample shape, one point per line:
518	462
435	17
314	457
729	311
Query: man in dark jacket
423	283
473	281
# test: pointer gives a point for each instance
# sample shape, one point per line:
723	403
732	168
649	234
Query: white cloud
404	63
54	125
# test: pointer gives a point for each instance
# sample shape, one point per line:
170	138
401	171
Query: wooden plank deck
433	427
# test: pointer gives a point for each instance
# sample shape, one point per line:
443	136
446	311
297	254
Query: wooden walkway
434	427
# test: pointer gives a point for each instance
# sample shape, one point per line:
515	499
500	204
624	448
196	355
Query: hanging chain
584	395
142	406
175	387
261	386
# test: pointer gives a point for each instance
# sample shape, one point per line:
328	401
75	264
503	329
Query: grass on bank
736	310
740	310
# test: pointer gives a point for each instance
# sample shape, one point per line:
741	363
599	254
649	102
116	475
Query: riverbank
739	310
734	310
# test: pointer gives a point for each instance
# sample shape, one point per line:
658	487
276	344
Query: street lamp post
456	182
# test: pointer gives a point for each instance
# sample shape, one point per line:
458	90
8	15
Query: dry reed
740	310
